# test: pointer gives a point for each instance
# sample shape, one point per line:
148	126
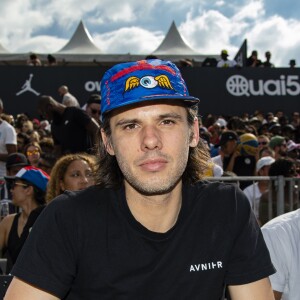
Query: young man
150	229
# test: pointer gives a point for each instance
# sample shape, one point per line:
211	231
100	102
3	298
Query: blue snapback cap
35	176
145	80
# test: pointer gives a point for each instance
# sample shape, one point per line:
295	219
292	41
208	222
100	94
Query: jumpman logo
27	87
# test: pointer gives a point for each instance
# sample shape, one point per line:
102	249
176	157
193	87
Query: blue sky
138	27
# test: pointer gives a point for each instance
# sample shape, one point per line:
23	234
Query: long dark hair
109	174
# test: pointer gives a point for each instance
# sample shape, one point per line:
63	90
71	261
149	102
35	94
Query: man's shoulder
290	220
93	194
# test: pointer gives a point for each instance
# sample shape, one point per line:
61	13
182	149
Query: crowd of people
43	158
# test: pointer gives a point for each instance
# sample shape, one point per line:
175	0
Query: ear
195	133
107	143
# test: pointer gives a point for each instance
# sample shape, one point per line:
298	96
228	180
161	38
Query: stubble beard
155	183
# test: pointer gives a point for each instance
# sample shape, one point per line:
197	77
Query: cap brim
187	100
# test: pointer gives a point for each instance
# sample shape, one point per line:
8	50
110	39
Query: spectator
67	98
47	161
253	61
295	119
33	153
265	151
22	140
281	167
72	172
282	238
278	144
292	63
34	60
93	108
28	188
224	62
51	60
227	144
72	129
8	141
47	145
255	190
267	63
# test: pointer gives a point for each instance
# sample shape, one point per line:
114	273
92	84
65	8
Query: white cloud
138	40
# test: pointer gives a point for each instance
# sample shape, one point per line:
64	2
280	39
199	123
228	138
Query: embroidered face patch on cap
144	80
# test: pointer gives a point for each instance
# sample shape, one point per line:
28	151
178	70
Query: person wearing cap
150	226
92	107
28	189
224	62
227	144
72	129
278	144
14	163
283	240
255	190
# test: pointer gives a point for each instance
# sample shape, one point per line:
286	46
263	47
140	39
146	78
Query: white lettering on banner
206	266
92	86
238	85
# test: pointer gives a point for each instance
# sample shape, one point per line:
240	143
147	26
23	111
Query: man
282	237
8	141
224	62
67	98
71	128
146	230
255	190
92	107
268	63
278	144
253	61
227	144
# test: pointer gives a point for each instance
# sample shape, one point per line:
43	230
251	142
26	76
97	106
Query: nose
151	138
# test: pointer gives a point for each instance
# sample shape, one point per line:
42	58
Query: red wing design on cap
148	82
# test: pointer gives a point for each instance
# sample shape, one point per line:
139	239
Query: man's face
93	110
151	144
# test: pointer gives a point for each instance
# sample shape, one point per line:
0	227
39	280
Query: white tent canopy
173	43
80	42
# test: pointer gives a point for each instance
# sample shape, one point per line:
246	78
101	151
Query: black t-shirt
69	130
89	246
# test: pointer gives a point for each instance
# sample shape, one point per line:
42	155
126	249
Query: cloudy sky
138	27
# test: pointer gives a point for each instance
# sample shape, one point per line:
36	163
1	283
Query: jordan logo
27	87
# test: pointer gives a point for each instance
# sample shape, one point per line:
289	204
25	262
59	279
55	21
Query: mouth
153	165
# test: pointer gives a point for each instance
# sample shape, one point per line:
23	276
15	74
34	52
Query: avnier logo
238	85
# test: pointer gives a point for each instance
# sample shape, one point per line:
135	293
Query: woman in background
71	172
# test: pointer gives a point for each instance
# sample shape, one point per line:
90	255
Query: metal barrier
281	185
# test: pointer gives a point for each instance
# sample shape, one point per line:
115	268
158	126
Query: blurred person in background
8	141
33	153
281	167
28	189
72	172
67	98
93	108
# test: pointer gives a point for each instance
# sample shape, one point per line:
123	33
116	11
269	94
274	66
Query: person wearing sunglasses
93	108
33	153
28	189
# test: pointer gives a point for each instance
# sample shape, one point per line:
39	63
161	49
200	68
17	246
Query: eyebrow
160	117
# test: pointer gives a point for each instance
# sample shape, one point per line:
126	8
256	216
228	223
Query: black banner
221	91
